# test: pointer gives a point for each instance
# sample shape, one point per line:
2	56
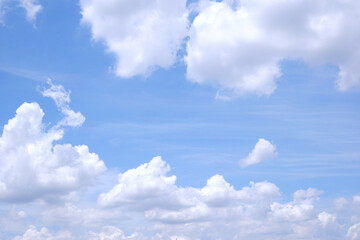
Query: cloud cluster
218	210
149	189
33	166
143	34
148	197
236	45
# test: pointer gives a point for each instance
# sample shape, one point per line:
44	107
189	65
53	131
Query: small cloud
62	100
32	8
263	150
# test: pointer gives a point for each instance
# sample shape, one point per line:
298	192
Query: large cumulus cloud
32	164
238	45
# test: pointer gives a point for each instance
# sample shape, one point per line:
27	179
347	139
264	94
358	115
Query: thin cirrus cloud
31	7
263	150
236	46
33	166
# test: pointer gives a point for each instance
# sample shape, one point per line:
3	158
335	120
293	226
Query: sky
187	120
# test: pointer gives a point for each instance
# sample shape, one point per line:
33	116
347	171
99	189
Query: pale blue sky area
314	126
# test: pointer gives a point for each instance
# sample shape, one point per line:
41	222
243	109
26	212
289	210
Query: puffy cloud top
234	45
32	165
238	45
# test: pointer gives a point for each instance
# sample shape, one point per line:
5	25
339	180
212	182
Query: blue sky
197	84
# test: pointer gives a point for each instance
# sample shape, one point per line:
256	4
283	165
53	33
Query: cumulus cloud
149	189
32	8
148	196
32	164
238	45
263	150
143	34
148	200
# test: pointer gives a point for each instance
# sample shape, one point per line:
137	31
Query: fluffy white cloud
34	166
32	8
144	188
215	211
238	45
263	150
148	188
301	208
148	197
143	34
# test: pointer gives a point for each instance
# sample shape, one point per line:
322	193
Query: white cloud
33	166
32	8
43	234
326	218
143	187
340	202
301	208
2	12
62	100
149	189
263	150
238	45
113	233
356	199
140	204
354	232
143	34
106	233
